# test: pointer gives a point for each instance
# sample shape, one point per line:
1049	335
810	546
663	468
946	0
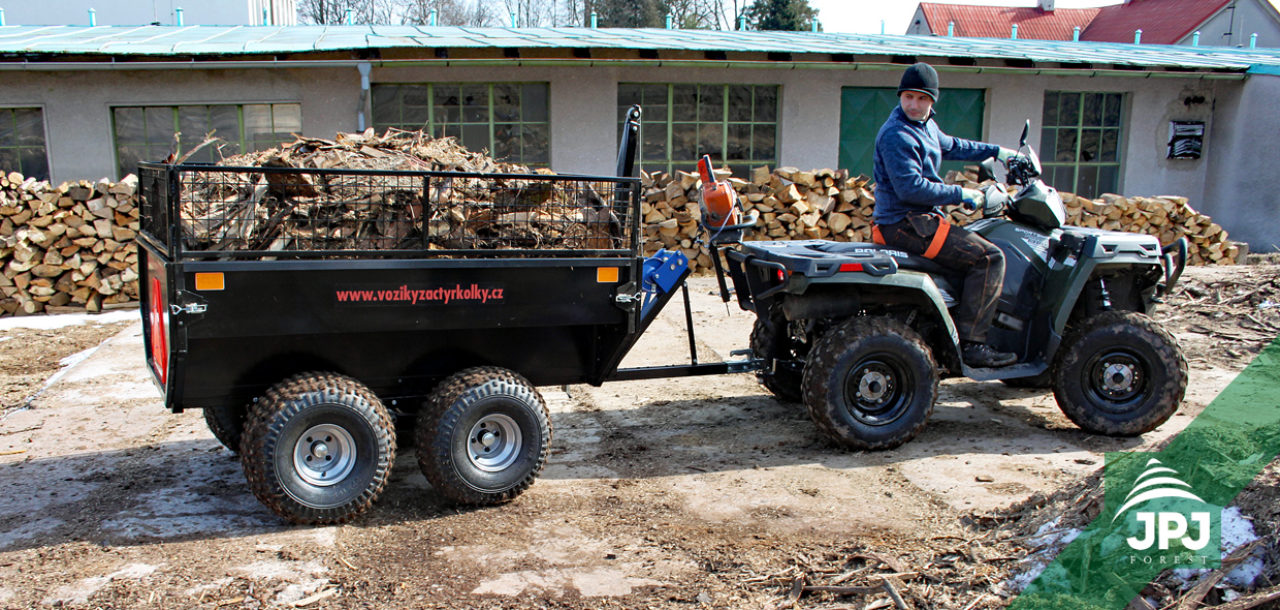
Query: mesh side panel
310	211
153	188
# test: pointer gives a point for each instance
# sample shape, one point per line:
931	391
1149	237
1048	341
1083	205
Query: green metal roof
35	44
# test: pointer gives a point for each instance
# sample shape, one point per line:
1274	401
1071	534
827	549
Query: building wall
1234	28
1241	183
1231	181
141	12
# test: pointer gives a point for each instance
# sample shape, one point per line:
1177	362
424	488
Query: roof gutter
590	63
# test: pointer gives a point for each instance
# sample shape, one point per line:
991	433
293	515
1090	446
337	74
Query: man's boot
982	356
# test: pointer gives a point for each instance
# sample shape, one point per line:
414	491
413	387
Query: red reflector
782	275
159	330
851	267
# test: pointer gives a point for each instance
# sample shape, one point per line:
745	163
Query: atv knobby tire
483	437
783	382
318	448
227	424
870	383
1120	374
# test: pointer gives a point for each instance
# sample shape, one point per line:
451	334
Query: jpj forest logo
1172	526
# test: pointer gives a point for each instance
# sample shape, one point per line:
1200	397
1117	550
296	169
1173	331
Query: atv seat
904	259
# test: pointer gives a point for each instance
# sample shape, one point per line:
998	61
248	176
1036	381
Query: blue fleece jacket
907	157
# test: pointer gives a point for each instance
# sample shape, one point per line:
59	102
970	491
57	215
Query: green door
864	109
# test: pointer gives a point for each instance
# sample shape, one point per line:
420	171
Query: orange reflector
851	267
607	275
210	281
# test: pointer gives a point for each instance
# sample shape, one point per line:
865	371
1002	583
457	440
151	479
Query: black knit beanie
920	77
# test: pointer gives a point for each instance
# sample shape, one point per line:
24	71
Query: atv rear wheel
870	383
1120	374
318	448
484	436
782	380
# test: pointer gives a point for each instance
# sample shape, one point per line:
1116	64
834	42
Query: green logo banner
1163	510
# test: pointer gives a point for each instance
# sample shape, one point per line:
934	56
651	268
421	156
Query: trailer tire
1120	374
483	436
783	382
871	383
226	422
318	448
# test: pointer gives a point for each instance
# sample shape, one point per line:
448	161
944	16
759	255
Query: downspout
365	68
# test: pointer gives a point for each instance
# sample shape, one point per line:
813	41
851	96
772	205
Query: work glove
971	198
1006	154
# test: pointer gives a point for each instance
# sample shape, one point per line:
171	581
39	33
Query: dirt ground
692	493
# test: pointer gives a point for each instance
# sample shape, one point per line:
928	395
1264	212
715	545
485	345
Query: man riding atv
909	149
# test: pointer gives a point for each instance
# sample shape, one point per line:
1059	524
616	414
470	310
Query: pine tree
787	15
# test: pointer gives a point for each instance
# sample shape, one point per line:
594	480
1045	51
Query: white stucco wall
1242	186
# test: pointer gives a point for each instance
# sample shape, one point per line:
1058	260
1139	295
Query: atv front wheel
1120	374
318	448
484	436
870	383
784	381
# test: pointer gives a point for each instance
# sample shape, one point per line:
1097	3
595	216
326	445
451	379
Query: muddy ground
690	493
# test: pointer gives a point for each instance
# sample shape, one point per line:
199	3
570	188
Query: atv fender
822	296
1099	255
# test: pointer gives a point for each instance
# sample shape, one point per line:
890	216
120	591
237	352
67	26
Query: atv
862	333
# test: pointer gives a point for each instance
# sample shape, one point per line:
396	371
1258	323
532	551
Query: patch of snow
50	322
83	589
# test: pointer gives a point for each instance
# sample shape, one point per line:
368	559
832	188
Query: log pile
1166	217
69	245
317	211
830	204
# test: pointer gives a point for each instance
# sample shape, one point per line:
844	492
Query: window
1080	141
735	124
510	120
22	147
150	133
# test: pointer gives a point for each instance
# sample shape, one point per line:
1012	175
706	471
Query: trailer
305	342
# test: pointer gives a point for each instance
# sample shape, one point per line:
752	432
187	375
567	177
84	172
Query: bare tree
334	12
448	12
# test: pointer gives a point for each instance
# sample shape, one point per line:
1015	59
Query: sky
864	16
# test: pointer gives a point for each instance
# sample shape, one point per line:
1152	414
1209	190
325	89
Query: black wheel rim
878	390
1117	381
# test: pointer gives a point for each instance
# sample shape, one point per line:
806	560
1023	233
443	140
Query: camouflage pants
961	251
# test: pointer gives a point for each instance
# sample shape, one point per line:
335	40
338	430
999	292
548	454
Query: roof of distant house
1161	21
998	21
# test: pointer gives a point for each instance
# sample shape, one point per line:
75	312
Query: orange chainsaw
721	208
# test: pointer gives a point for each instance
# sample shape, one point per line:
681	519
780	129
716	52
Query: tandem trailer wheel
318	448
483	437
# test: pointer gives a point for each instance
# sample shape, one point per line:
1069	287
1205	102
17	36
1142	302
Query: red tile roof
1161	21
997	21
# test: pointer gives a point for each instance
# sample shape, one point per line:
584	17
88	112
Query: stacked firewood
830	204
1166	217
792	204
69	245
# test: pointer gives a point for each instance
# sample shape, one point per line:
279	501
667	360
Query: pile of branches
305	196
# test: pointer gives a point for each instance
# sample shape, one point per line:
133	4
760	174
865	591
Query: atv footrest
1024	369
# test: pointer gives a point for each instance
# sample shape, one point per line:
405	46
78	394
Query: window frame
44	139
741	167
242	141
1079	127
435	128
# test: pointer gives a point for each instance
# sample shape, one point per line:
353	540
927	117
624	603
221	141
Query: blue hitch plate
662	273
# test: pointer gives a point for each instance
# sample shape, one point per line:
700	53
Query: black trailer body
225	324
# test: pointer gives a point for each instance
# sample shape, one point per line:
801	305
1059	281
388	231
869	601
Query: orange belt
935	245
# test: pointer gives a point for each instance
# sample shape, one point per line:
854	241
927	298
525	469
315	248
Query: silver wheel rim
494	443
324	455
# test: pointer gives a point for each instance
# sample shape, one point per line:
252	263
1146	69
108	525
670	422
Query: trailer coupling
661	275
